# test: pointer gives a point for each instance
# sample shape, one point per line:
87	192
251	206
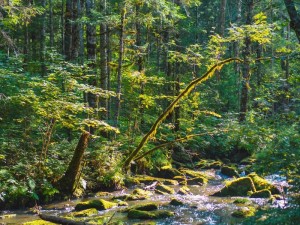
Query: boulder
229	171
242	201
184	191
265	193
98	204
244	212
168	172
138	194
176	202
197	181
158	214
39	222
261	183
238	187
165	189
145	207
85	213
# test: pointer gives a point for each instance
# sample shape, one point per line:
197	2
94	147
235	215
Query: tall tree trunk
75	30
51	23
246	65
68	30
294	16
67	184
221	24
120	65
43	40
80	32
103	66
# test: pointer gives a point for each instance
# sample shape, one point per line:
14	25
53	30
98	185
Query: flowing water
199	207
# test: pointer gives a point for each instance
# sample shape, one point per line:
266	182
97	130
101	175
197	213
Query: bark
43	40
67	184
75	31
61	220
68	30
221	24
51	23
103	66
120	65
259	64
246	65
90	34
294	17
80	32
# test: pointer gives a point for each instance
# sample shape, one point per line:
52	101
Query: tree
294	16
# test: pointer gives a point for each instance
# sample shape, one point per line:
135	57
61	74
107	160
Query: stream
199	207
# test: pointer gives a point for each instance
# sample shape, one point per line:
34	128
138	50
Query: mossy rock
165	189
261	183
138	194
184	191
120	197
131	181
149	180
122	203
145	223
265	193
95	220
209	164
191	173
242	201
168	172
144	207
244	212
179	178
197	181
176	202
229	171
248	161
102	193
6	216
237	187
84	213
158	214
99	204
39	222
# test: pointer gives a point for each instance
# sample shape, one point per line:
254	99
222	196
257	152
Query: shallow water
199	208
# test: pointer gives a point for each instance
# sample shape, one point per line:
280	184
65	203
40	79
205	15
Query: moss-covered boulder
197	181
122	203
176	202
6	216
120	197
168	172
184	191
229	171
102	193
144	207
98	204
238	187
85	213
261	183
165	189
244	212
209	164
191	173
265	193
242	201
248	161
138	194
158	214
39	222
150	180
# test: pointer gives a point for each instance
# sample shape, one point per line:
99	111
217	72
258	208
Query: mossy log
62	221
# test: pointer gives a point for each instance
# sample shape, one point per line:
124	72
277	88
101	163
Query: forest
128	112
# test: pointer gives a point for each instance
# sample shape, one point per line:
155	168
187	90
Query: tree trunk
246	65
51	23
43	40
103	66
68	30
67	184
75	31
120	65
221	24
294	16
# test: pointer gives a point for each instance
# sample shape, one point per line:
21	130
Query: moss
131	181
158	214
122	203
265	193
179	178
97	204
168	173
192	173
209	164
229	171
39	222
176	202
120	197
197	181
96	220
6	216
138	194
248	161
261	183
184	191
85	213
146	223
149	180
145	207
244	212
237	187
165	189
242	201
102	193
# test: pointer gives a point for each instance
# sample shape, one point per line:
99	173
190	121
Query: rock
237	187
184	191
229	171
248	161
131	181
120	197
6	216
265	193
261	183
138	194
101	194
191	173
158	214
179	178
242	201
149	180
197	181
209	164
165	189
145	207
39	222
176	202
97	204
122	203
244	212
168	172
84	213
